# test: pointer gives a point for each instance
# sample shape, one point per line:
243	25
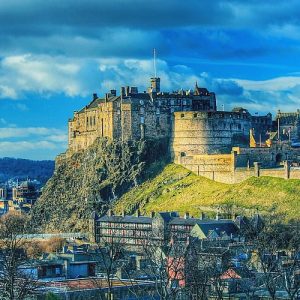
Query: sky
55	54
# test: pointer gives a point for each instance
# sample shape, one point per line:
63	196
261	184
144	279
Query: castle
204	139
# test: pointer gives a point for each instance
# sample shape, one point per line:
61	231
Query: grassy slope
176	188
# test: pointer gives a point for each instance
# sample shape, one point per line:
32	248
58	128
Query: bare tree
15	282
276	247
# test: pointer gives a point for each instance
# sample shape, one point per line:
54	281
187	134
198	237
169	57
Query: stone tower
155	84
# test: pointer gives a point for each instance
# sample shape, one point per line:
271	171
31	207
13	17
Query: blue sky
55	54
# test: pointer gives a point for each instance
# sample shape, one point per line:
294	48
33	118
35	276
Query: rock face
94	180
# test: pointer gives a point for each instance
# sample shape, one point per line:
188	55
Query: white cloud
7	92
271	85
13	147
32	142
42	149
11	132
40	74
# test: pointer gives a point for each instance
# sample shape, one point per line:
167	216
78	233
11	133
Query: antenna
154	61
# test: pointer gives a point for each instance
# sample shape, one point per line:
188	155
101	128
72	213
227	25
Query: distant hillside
178	189
25	168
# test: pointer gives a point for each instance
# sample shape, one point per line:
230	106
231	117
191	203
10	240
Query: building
20	196
135	115
136	231
210	142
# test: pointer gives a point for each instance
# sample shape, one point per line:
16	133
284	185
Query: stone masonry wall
208	132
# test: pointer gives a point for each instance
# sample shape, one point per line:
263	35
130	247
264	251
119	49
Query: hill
178	189
17	168
93	180
127	176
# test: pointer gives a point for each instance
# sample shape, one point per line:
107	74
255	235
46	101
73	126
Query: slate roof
222	225
168	216
126	219
218	226
94	103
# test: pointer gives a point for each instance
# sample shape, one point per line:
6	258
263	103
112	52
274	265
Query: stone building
134	115
208	141
288	124
136	231
189	118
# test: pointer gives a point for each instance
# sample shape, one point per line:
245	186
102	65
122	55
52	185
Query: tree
276	247
15	282
108	256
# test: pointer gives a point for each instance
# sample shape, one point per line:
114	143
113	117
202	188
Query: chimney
152	214
106	96
123	213
133	90
110	213
123	91
202	216
138	213
186	215
113	93
95	96
217	216
127	90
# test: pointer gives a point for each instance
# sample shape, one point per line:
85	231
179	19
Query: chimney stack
123	91
152	214
138	213
186	215
95	96
217	216
113	93
123	213
202	217
110	213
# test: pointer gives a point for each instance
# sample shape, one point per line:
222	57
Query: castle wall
196	133
89	124
221	168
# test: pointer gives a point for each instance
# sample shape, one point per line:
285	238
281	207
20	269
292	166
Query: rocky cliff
94	180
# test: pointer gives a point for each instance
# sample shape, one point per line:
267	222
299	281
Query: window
182	115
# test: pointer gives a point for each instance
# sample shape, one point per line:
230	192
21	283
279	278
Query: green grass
178	189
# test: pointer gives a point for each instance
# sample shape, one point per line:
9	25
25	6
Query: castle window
195	115
182	115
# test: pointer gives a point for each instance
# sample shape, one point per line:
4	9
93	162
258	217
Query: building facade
136	231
